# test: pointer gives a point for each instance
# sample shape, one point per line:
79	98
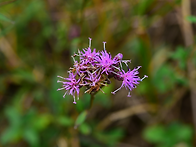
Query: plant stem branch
189	42
91	102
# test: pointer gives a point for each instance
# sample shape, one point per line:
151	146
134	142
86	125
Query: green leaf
155	134
144	5
6	30
169	135
164	78
31	136
41	122
191	19
180	132
4	18
81	118
11	134
65	121
185	133
113	136
85	129
13	116
181	55
21	74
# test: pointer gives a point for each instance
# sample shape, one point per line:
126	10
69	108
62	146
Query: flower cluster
94	70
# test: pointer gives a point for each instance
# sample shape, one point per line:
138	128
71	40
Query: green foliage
85	129
181	55
165	78
24	125
191	19
4	18
65	121
110	137
166	75
144	5
171	135
81	118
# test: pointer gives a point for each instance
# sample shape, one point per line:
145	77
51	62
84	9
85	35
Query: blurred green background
37	38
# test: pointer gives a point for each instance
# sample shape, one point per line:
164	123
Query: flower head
93	78
94	70
105	62
129	79
88	56
71	86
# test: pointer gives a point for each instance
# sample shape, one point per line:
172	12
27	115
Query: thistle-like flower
94	70
130	79
105	62
87	56
93	78
71	86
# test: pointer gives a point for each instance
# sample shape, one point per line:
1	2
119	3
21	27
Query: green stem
92	99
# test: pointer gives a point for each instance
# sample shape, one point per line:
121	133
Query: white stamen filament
104	45
74	101
115	73
60	77
87	90
90	42
121	65
73	59
64	94
138	67
60	88
79	52
84	84
115	67
117	89
145	76
104	84
129	94
102	90
96	70
125	62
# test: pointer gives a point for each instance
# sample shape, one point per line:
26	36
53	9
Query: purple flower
94	69
130	79
118	57
105	62
79	67
88	56
93	78
71	86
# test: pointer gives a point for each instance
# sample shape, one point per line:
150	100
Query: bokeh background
37	38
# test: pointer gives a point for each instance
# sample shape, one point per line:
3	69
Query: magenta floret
105	62
88	56
130	79
71	85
